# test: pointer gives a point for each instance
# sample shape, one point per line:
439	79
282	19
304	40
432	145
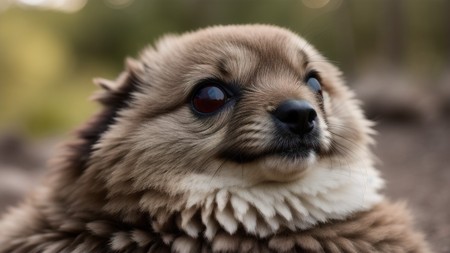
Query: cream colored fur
321	194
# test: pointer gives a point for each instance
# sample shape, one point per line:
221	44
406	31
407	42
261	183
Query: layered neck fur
320	195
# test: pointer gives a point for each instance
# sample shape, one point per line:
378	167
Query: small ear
105	84
134	66
124	83
108	88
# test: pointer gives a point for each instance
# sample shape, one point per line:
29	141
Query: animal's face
229	106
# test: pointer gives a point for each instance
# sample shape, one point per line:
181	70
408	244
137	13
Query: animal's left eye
209	98
314	83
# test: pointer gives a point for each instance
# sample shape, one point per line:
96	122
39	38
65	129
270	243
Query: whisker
216	171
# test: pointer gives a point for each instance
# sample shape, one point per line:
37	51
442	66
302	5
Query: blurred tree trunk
446	12
346	37
393	31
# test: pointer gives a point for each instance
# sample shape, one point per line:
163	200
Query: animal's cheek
326	98
208	145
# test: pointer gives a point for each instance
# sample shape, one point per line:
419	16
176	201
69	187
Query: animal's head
220	108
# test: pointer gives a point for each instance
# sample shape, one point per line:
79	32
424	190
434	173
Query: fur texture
151	174
385	228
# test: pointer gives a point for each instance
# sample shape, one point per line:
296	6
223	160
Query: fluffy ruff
384	228
322	194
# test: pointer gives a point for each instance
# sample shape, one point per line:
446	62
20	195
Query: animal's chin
287	165
295	154
278	164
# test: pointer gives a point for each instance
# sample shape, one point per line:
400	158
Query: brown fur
149	175
385	228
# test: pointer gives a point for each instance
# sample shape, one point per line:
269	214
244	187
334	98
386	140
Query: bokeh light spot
33	2
58	5
315	4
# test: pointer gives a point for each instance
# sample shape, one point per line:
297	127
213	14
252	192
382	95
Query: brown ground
413	148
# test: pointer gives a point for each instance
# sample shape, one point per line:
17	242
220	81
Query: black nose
298	115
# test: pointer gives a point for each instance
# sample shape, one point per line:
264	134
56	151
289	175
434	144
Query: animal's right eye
313	81
209	98
314	84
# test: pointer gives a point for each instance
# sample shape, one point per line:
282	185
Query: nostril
312	115
297	115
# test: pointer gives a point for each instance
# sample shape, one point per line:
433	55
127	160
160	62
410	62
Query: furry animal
227	139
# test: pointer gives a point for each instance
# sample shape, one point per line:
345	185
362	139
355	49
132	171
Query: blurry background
394	53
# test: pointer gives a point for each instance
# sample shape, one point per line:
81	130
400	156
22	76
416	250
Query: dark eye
209	98
314	83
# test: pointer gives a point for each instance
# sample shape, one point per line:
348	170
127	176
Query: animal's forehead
238	56
266	45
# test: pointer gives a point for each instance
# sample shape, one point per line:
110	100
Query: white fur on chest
263	209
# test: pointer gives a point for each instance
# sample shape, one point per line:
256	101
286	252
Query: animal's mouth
288	150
